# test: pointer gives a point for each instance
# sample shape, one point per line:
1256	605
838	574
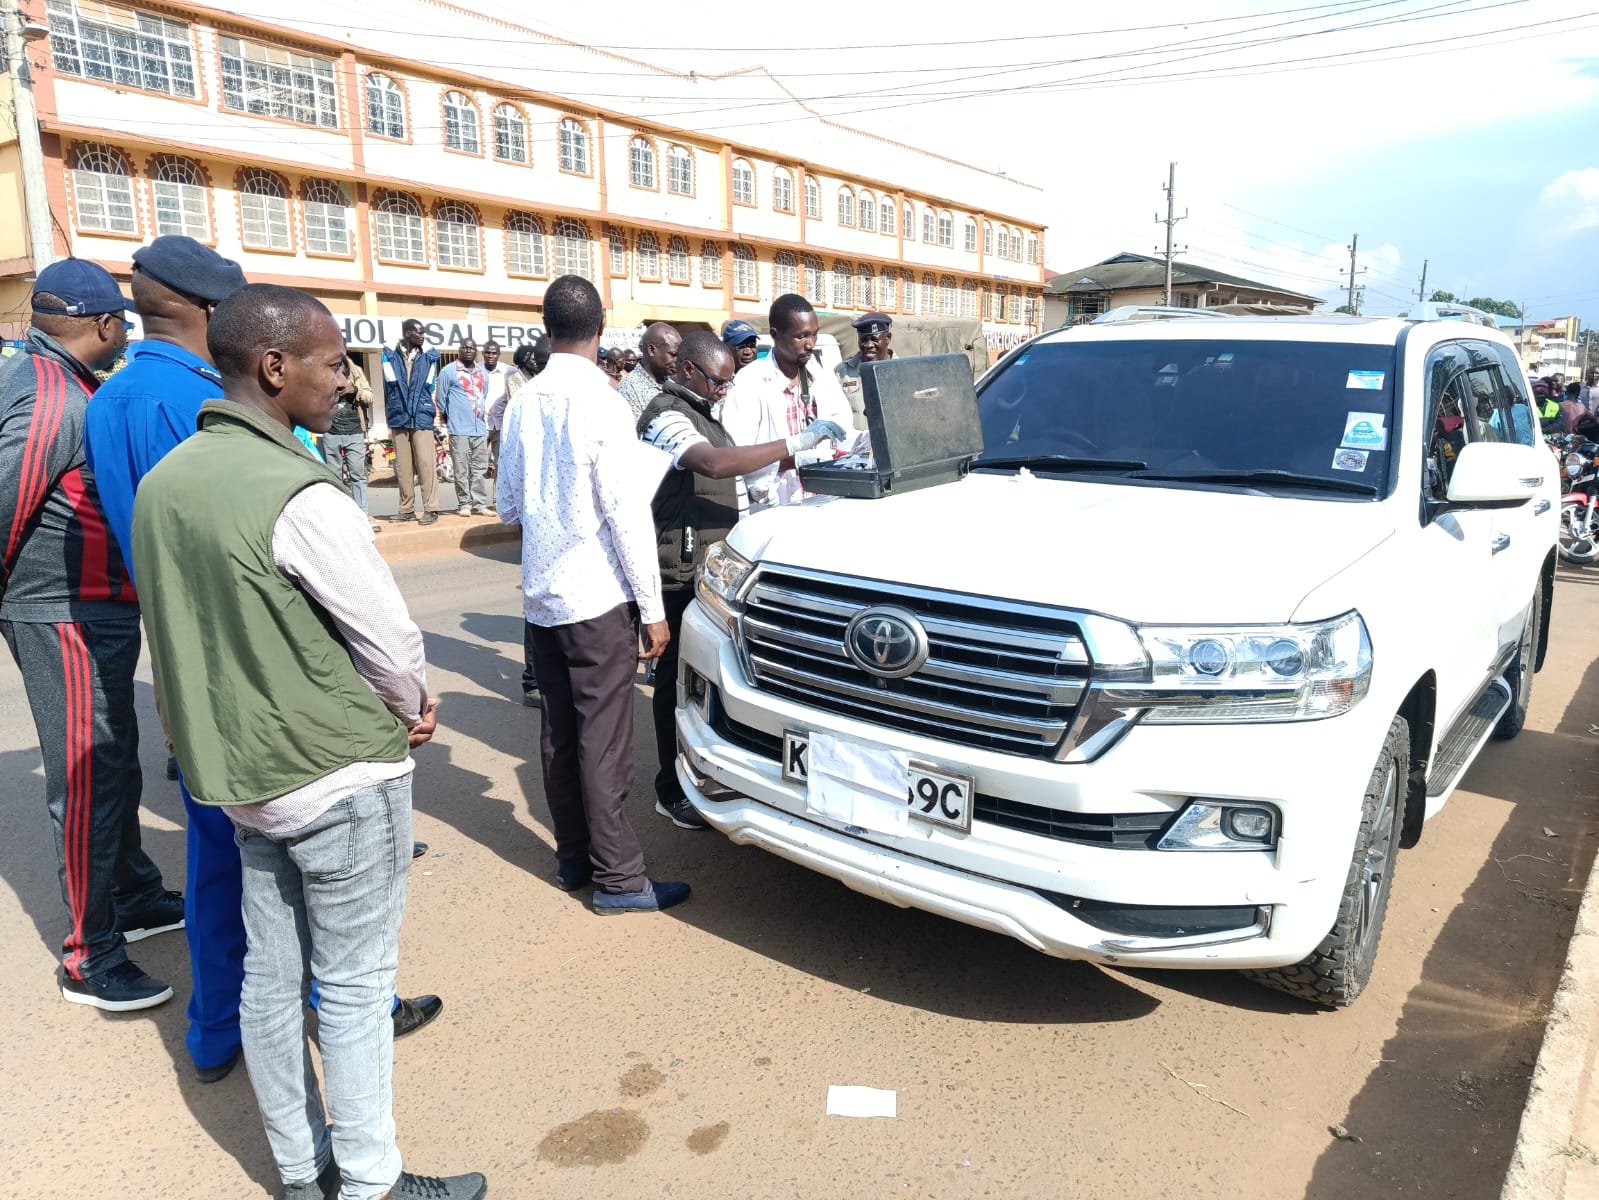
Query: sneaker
573	876
482	512
427	518
681	813
403	517
656	897
159	916
123	988
324	1187
433	1187
532	699
221	1071
172	767
411	1015
464	511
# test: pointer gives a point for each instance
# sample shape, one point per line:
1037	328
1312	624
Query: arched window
996	303
510	134
929	296
971	236
1014	305
785	274
815	280
782	191
946	297
1015	244
929	225
264	211
648	256
641	163
946	230
909	215
846	206
679	171
573	255
866	213
710	264
843	283
616	241
907	292
743	182
460	123
104	188
813	199
401	237
968	299
460	242
1032	249
988	237
677	268
385	107
574	147
890	287
865	278
746	281
180	204
887	215
325	210
524	245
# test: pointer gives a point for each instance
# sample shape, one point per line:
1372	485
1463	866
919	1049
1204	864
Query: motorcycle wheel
1575	548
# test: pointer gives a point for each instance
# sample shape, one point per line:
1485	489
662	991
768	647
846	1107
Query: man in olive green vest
292	682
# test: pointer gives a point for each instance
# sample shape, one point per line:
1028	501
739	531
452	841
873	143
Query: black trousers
530	678
586	672
664	706
79	681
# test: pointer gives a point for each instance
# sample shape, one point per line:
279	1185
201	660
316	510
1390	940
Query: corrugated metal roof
1140	271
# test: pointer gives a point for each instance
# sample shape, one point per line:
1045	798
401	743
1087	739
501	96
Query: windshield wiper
1062	462
1265	479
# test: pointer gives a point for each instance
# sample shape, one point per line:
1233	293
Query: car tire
1520	672
1339	969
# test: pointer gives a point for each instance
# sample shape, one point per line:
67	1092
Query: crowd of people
290	678
1564	406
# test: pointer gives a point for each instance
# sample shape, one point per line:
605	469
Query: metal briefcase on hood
922	415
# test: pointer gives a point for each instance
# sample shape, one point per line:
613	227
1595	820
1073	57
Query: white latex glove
809	458
814	435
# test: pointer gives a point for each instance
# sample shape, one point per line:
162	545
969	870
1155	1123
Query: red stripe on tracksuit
76	672
48	404
94	580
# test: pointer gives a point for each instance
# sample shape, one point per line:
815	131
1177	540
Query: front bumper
1024	885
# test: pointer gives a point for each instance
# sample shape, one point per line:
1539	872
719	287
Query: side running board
1466	736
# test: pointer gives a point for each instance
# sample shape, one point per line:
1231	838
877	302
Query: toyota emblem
887	642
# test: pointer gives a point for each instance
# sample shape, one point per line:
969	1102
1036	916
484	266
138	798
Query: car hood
1151	555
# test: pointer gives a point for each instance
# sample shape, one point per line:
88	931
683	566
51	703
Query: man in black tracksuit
71	620
697	504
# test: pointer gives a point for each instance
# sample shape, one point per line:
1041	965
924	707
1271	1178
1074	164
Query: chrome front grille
999	677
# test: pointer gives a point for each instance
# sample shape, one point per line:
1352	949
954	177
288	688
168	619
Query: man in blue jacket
135	419
409	372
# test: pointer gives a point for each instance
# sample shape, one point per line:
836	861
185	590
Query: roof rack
1438	310
1152	312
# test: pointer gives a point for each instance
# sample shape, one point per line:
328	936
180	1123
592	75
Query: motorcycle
1579	505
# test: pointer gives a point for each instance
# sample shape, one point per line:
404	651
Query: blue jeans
328	899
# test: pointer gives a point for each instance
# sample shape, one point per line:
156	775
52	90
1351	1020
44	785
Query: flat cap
872	324
189	267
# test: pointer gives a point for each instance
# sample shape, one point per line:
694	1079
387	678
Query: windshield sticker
1366	381
1365	431
1349	460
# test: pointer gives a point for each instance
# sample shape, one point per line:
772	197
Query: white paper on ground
849	1100
858	785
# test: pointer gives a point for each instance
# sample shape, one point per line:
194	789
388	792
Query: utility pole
1353	304
1421	289
19	35
1170	223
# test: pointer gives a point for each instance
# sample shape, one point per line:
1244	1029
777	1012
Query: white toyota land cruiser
1218	619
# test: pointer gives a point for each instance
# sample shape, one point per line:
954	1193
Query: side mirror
1498	475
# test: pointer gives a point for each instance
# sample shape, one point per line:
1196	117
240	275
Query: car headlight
719	580
1201	675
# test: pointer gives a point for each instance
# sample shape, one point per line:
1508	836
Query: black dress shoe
218	1073
427	518
418	849
411	1015
573	876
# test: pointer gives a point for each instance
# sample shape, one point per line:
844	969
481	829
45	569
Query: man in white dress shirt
569	475
778	396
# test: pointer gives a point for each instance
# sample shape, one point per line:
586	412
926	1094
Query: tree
1442	297
1500	308
1346	310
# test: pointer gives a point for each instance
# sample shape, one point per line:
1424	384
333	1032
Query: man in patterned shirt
644	382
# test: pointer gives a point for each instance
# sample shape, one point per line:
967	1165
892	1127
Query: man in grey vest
697	504
293	684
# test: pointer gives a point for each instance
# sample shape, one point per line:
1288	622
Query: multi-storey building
422	159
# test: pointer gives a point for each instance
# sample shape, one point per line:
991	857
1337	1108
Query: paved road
699	1045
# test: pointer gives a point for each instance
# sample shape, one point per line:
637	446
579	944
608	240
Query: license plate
935	796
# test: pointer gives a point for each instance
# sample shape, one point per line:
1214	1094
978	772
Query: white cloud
1571	201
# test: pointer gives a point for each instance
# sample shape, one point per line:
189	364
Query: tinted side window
1524	420
1447	392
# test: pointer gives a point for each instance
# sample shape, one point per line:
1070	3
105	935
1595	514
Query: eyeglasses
717	385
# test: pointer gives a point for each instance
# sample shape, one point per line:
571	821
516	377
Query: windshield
1188	409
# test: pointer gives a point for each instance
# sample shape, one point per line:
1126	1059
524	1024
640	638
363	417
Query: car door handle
1501	542
1540	508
